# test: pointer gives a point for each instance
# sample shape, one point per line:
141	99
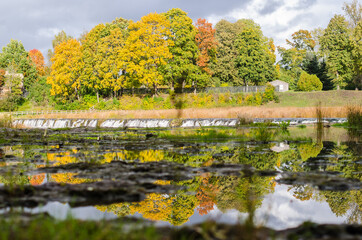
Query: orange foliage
37	179
206	43
38	59
2	77
206	195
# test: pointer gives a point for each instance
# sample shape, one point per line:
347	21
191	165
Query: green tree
224	68
182	70
357	54
13	81
256	59
337	48
14	53
294	58
313	65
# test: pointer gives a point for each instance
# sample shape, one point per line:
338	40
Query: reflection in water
253	197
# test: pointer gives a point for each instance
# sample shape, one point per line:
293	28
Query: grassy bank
309	99
290	104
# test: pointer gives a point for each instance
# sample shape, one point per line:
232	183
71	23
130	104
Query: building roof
278	82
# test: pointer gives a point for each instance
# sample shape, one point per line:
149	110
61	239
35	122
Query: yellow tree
66	69
147	50
92	57
109	63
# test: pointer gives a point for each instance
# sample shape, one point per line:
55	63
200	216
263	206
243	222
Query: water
183	177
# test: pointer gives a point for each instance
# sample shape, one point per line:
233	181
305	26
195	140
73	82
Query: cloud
270	6
280	19
36	22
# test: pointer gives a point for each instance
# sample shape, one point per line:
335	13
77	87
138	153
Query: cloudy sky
35	22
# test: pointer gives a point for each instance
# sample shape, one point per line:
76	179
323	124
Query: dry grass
232	112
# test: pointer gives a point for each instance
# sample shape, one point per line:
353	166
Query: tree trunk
172	86
76	91
97	96
154	90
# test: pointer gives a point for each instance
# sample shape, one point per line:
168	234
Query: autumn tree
337	47
292	58
255	62
58	39
2	77
93	58
102	50
66	70
111	66
353	12
182	68
295	57
206	42
146	52
37	59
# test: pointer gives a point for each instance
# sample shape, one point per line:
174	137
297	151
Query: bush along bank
171	101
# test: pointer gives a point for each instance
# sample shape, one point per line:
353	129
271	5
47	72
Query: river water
182	177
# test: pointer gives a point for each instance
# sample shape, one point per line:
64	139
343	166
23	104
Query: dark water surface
180	177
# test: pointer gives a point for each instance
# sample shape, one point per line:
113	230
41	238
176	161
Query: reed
354	115
229	112
319	115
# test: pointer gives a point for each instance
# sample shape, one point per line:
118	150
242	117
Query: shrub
249	99
258	98
10	103
39	92
89	100
269	94
309	82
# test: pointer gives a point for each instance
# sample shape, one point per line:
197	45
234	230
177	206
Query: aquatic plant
262	133
284	125
6	120
354	116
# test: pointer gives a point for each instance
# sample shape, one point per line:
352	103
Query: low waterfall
212	122
136	123
54	123
300	121
157	123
